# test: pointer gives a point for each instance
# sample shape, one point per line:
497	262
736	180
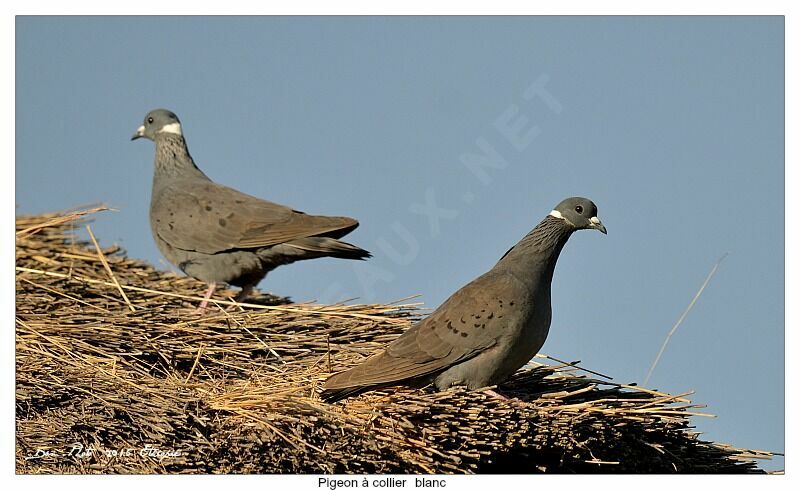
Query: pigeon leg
202	308
241	296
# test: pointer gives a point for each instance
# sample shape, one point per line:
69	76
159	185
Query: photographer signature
80	451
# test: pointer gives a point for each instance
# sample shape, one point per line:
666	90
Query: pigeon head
158	121
579	212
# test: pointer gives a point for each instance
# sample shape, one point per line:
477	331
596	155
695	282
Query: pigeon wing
461	328
210	218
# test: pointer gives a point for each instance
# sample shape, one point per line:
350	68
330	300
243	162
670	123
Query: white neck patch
174	128
557	214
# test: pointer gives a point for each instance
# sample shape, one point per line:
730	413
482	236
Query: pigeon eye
579	209
149	120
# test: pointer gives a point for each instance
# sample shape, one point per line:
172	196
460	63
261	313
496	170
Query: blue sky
674	126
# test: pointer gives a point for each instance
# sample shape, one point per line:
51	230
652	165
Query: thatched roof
108	359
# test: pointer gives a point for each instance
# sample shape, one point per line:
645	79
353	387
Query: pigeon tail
335	395
330	247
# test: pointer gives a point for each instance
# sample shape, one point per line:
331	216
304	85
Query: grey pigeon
486	330
218	234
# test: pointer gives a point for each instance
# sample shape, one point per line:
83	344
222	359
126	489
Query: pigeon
219	235
486	330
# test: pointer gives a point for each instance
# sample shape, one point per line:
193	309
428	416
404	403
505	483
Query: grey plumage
218	234
486	330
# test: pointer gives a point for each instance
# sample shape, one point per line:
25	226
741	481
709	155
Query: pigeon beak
595	223
138	134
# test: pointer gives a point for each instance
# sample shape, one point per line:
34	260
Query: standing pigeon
486	330
217	234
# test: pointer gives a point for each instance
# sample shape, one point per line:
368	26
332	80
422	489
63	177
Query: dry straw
113	376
